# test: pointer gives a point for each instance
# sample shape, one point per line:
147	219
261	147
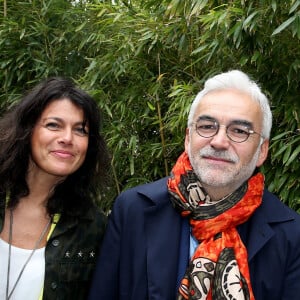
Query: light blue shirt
193	244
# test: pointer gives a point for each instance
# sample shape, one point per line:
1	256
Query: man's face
221	164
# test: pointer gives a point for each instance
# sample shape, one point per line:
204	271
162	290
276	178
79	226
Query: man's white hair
236	80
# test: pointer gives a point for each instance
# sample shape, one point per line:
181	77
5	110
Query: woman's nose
66	136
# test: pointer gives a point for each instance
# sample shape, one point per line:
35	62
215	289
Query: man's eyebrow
206	118
243	123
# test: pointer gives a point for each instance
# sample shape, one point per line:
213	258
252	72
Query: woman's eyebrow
61	120
52	118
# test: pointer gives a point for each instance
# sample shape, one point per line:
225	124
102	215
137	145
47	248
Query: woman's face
59	140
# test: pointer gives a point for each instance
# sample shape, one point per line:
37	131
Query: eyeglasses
236	132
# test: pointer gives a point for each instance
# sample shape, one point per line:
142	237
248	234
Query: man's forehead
229	105
208	118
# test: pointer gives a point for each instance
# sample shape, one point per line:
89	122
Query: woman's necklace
8	295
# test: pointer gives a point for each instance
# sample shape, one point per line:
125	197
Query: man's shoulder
276	210
153	192
150	188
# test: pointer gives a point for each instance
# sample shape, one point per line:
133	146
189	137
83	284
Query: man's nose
220	140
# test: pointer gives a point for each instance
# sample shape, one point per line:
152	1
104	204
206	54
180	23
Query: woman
52	160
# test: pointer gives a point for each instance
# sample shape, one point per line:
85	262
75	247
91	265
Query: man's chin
215	181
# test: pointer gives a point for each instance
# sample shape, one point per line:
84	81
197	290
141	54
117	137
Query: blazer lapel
259	234
270	212
163	234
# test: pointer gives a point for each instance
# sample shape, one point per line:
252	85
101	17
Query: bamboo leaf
287	154
294	156
151	106
284	25
279	136
294	7
249	19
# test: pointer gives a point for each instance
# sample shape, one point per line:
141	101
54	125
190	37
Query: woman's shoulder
95	215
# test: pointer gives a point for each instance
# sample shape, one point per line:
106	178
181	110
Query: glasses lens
206	128
238	133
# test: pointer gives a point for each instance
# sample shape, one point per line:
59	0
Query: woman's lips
62	153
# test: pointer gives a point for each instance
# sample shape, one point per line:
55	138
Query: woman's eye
81	131
52	126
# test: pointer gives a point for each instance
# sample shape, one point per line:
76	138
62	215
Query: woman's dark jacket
70	254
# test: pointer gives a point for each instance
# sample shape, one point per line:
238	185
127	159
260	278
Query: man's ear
264	149
187	140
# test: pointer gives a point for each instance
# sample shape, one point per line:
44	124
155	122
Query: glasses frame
250	131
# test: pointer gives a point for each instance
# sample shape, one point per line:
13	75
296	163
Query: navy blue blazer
146	247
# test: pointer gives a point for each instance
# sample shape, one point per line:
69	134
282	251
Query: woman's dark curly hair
77	191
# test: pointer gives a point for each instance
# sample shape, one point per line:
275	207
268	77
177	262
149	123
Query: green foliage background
144	61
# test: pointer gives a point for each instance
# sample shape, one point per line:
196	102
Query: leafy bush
144	61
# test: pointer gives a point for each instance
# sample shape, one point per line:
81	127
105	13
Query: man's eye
206	127
239	130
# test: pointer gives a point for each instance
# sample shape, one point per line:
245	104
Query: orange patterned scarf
219	268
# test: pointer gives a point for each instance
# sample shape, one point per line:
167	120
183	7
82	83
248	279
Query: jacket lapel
163	233
162	226
270	212
259	234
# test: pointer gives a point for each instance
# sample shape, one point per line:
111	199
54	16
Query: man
211	230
